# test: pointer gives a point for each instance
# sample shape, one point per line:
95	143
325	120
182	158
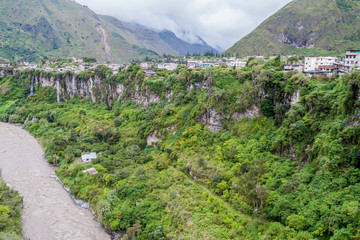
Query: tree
89	60
267	107
297	222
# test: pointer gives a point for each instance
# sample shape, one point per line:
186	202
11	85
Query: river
48	213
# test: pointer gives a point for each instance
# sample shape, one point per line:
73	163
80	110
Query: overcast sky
219	22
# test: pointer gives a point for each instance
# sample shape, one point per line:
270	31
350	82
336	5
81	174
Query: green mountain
310	27
30	30
58	28
161	42
138	35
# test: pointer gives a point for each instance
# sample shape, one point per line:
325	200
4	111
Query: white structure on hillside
86	158
313	64
167	66
146	65
5	64
352	60
294	67
192	63
91	171
240	64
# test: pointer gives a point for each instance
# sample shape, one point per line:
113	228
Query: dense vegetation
301	28
10	208
292	174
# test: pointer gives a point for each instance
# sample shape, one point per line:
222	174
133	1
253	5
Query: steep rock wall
97	90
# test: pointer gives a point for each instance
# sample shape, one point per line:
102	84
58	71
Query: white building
146	65
91	171
313	64
167	66
240	64
192	63
5	64
294	67
352	60
86	158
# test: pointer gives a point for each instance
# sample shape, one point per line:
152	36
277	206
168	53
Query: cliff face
93	88
98	90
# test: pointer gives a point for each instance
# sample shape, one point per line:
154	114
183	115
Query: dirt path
48	212
103	36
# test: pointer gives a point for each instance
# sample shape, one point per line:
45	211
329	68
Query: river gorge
48	211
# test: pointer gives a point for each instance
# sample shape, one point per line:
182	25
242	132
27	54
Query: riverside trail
48	213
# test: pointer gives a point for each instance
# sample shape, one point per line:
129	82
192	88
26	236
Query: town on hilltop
309	66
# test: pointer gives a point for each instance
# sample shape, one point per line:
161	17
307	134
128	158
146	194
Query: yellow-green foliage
10	224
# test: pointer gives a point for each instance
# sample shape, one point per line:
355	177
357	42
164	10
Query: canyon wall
100	91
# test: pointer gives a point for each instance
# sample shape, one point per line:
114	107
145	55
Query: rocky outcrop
198	85
295	98
144	97
158	135
212	120
168	95
95	89
253	112
304	41
153	138
291	99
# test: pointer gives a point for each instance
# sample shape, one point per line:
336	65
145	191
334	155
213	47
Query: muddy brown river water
49	213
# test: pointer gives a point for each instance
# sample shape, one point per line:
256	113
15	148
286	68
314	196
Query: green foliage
89	60
267	107
292	174
10	208
344	3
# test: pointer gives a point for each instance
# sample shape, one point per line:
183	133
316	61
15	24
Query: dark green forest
290	172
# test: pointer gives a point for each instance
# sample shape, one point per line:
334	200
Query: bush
297	222
267	107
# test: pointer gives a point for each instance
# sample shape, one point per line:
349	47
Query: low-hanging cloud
220	23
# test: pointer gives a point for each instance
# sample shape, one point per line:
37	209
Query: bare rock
253	112
212	119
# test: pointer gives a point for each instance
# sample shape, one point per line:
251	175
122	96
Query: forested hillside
283	161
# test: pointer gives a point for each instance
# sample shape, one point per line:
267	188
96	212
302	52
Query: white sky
219	22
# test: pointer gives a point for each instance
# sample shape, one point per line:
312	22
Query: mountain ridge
303	27
63	28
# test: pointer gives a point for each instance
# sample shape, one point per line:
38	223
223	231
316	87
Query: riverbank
49	212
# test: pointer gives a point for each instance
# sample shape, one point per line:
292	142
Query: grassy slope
330	27
62	28
142	37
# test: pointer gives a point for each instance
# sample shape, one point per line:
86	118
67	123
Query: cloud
219	22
